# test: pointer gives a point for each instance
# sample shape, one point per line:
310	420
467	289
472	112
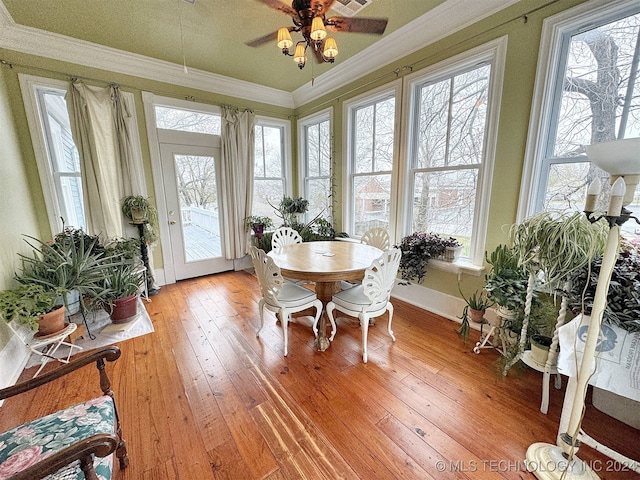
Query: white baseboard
447	306
13	358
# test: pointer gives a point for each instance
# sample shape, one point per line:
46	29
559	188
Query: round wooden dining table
326	264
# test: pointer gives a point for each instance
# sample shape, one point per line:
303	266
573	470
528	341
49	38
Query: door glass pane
187	120
198	197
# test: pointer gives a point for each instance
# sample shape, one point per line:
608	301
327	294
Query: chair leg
261	309
364	325
334	328
285	315
390	309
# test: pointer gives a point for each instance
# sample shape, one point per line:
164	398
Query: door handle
172	222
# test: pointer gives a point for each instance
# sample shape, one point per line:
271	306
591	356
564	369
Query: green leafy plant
623	297
140	210
417	249
252	220
26	303
478	301
506	282
121	281
289	209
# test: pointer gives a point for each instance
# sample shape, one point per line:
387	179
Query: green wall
20	210
520	69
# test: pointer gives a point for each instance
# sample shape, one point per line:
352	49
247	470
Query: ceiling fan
309	18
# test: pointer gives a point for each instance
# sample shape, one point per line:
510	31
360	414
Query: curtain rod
190	98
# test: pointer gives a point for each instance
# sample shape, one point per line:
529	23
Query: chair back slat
268	273
377	237
380	277
285	236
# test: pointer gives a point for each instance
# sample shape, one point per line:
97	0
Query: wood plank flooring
203	398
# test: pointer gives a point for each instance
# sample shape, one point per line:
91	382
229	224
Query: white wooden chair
371	298
377	237
285	236
283	298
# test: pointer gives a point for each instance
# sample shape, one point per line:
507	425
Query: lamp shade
284	38
618	157
318	31
330	48
300	56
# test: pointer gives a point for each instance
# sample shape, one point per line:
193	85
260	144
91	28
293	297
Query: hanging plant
140	211
417	249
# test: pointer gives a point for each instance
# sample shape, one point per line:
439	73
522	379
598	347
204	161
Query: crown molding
438	23
60	47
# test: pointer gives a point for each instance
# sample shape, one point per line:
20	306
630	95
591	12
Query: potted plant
506	282
623	297
73	262
453	249
417	249
121	286
258	224
35	306
474	310
290	208
140	211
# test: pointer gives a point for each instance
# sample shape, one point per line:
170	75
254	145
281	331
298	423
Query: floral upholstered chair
75	443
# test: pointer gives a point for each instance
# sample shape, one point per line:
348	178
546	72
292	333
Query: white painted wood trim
13	358
59	47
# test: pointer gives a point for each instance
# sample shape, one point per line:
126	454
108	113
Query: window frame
394	89
30	85
556	34
285	141
493	53
303	170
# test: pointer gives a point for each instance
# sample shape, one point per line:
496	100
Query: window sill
458	267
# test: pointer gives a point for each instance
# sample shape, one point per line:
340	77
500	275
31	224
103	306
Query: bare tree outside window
598	101
171	118
372	164
449	150
318	169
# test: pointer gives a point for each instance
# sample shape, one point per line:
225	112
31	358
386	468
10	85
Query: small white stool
46	346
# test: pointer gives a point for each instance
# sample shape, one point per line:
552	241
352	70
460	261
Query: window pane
468	117
187	120
444	203
566	188
72	207
319	196
372	197
384	121
364	139
313	150
258	169
595	85
265	194
273	151
433	118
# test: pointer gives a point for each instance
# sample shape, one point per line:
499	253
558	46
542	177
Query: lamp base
546	462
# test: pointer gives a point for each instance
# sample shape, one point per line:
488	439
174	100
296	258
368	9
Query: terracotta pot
477	315
51	322
124	308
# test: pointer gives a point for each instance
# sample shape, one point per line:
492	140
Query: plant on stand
35	306
258	224
140	211
474	310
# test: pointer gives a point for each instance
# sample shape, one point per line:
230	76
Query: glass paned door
191	193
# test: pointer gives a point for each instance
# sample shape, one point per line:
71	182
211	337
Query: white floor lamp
621	159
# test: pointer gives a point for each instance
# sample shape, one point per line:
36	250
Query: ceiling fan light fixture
318	32
300	56
330	49
284	40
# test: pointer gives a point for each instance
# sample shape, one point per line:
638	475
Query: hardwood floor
203	398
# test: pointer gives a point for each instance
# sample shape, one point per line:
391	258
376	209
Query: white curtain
236	192
101	128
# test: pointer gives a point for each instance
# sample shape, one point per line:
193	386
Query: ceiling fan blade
281	7
271	37
357	25
321	6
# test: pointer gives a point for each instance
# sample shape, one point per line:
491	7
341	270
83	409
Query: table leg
325	291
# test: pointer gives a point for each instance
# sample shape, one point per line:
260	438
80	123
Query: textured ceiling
209	35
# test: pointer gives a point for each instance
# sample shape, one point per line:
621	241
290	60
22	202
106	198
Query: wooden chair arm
109	354
101	444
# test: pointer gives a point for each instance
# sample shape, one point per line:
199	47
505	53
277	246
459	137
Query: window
370	158
593	96
452	130
270	167
316	145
